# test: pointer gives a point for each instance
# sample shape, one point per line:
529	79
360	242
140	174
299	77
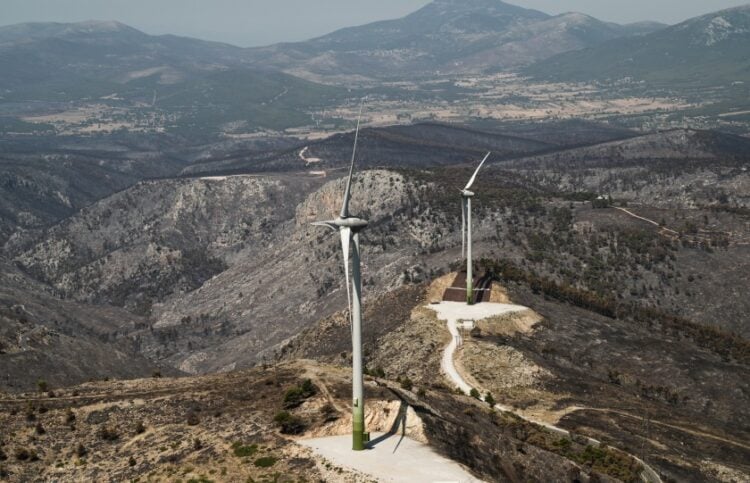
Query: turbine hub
351	222
467	194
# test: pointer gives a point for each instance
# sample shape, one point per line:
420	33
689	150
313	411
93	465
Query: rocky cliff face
226	267
158	238
270	292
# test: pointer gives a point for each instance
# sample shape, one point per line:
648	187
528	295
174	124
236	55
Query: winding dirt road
452	312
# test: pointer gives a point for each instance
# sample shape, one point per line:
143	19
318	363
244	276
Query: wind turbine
466	196
349	227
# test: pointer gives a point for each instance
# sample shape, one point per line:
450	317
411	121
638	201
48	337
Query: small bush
42	385
197	444
421	392
81	450
108	434
131	461
30	415
3	456
474	393
289	423
39	429
23	454
295	396
265	462
329	413
139	428
193	419
70	416
156	374
406	383
242	451
489	400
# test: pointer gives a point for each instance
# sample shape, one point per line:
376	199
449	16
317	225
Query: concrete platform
393	459
460	310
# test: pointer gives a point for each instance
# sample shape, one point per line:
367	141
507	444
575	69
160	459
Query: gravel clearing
396	458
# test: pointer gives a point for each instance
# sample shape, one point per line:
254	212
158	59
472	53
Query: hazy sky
257	22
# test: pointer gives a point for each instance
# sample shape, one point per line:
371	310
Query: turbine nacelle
467	194
354	223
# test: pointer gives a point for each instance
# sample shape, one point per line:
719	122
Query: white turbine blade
473	178
348	192
463	227
346	238
326	224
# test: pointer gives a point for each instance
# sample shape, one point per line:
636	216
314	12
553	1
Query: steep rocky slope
44	338
161	237
212	262
46	179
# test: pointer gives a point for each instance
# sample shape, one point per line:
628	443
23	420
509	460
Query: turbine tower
466	196
349	227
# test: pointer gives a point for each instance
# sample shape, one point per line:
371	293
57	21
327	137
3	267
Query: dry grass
438	286
510	324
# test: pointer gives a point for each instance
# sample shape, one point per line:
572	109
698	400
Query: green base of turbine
359	437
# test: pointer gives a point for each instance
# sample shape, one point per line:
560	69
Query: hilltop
706	50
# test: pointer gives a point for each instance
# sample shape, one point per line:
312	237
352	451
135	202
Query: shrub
131	461
42	385
108	434
295	396
329	413
265	462
156	374
289	423
81	450
406	383
242	451
421	392
474	393
140	428
197	444
30	416
39	428
23	454
193	419
70	416
3	456
489	400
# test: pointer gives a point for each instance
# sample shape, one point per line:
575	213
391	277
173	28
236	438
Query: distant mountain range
203	83
711	49
446	36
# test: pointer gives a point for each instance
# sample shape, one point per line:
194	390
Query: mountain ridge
709	49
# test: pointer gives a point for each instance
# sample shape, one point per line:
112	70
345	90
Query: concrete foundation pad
391	458
463	311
